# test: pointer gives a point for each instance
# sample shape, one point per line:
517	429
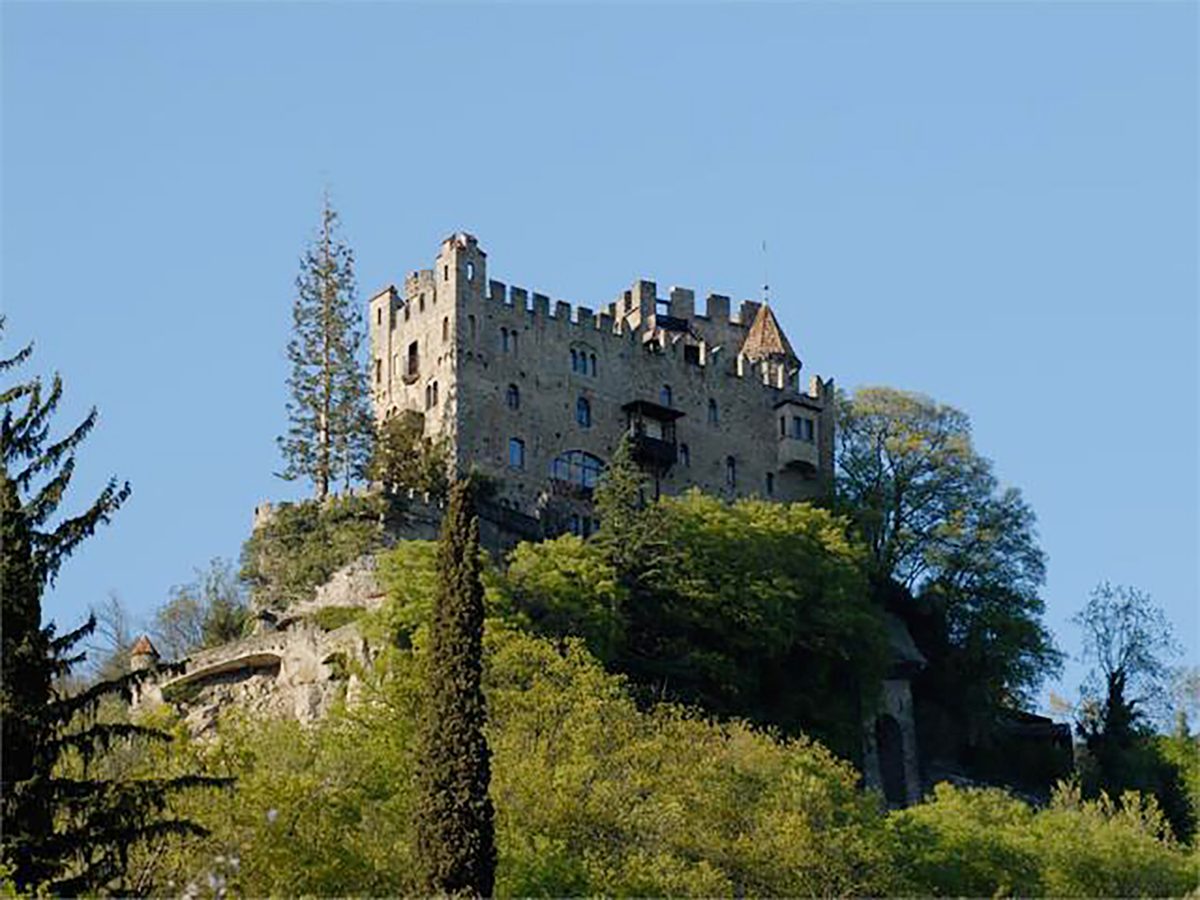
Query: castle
539	395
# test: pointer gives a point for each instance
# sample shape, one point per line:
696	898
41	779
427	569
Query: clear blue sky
995	204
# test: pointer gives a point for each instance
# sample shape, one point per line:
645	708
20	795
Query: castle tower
143	655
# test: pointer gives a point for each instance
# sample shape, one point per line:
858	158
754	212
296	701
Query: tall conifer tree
455	829
71	835
329	423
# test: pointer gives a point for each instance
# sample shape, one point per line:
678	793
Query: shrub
286	558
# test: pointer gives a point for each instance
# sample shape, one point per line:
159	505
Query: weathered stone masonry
539	394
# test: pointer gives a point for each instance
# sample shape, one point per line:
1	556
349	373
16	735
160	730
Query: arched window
574	360
730	472
593	358
512	397
513	337
445	328
713	416
770	484
516	453
504	339
470	271
577	467
583	412
435	394
664	395
685	455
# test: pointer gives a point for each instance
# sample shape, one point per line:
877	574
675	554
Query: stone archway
889	744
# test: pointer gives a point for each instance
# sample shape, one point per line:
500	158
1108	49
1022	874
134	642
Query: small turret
766	340
143	655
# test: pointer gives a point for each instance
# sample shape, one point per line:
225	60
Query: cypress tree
455	830
71	835
329	423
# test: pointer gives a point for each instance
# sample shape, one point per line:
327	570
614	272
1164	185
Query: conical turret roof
143	647
766	339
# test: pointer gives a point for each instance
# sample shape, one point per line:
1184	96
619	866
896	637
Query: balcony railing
653	452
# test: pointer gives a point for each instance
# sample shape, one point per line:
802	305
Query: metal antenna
766	282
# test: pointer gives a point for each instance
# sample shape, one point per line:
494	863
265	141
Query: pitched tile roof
143	647
766	339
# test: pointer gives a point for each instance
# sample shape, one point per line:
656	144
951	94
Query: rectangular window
806	430
414	358
516	453
379	371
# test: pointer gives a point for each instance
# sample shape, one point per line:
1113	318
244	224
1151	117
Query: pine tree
69	834
329	423
455	831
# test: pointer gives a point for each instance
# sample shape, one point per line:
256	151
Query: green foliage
751	609
329	425
330	618
405	459
68	824
208	611
455	827
597	796
952	553
1126	638
968	843
302	544
567	586
983	842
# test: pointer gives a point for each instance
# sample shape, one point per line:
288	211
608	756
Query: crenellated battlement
517	378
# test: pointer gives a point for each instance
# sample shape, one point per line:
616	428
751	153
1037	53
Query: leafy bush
330	618
286	558
983	842
751	609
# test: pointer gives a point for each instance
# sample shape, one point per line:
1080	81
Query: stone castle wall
490	364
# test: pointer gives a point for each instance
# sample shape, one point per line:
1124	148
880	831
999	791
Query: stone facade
538	394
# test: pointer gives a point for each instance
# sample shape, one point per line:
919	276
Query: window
691	354
577	467
504	339
435	394
582	362
713	416
445	273
412	366
421	303
664	395
583	412
802	428
574	360
516	453
593	359
379	316
770	484
783	426
470	271
471	326
379	371
730	472
445	328
512	397
431	394
407	311
685	455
